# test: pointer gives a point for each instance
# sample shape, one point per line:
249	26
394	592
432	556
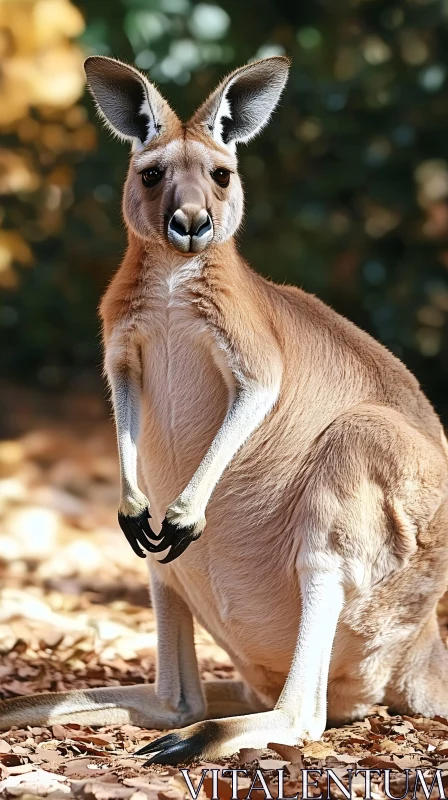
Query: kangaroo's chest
184	395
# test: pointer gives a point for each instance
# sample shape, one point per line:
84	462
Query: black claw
173	750
173	755
170	738
128	530
177	549
179	539
139	534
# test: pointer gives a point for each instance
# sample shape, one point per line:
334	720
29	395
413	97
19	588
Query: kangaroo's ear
242	104
129	104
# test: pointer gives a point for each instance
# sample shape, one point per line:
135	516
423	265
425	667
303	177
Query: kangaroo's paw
178	537
138	532
180	527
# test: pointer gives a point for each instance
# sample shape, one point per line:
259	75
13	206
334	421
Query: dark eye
221	176
151	176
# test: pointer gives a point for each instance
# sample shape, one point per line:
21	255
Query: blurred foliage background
347	189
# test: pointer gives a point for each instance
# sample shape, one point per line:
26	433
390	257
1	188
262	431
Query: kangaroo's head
183	188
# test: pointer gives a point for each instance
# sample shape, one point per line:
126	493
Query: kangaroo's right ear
129	104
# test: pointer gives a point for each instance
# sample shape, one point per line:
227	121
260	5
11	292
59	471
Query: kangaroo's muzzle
190	229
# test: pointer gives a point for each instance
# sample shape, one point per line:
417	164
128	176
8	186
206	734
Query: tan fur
346	474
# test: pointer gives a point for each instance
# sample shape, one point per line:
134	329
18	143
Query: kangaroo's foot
219	738
114	705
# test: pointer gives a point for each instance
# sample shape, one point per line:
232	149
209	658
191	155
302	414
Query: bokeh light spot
308	38
209	21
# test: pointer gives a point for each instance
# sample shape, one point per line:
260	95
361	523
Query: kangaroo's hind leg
388	648
371	487
301	709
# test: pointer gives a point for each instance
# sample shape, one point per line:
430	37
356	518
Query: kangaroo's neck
221	261
151	267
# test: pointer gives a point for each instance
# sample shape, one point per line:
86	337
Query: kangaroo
291	486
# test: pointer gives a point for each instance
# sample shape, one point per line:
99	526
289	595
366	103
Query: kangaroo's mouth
190	235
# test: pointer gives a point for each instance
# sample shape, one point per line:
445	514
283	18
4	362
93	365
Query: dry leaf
389	746
20	769
38	782
224	787
377	762
78	767
107	791
318	750
271	763
59	732
402	727
410	761
286	751
347	758
139	795
93	739
248	754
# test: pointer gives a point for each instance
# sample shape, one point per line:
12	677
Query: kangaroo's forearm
246	352
249	408
126	403
123	368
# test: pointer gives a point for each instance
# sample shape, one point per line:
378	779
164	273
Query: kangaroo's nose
190	229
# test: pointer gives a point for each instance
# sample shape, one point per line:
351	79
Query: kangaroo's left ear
242	104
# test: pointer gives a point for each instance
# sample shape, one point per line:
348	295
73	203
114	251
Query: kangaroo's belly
226	577
242	592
